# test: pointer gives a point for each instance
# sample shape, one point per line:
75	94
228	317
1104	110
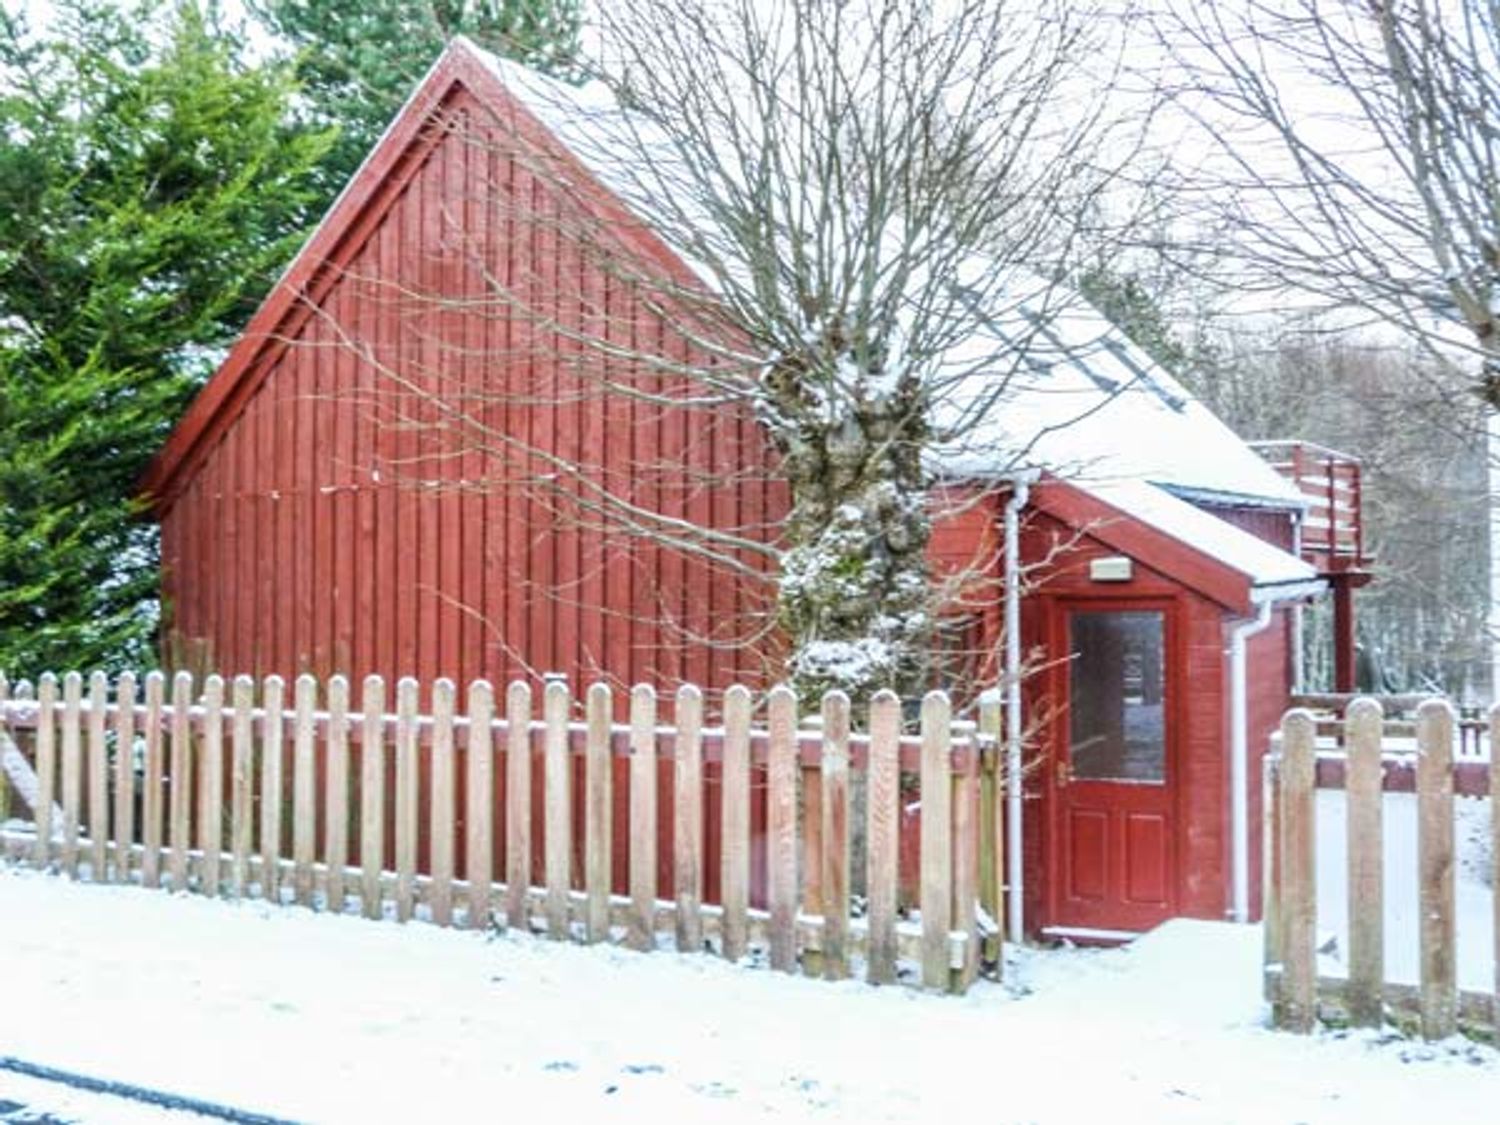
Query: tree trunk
855	596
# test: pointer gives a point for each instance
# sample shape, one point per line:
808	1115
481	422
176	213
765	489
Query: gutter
1219	498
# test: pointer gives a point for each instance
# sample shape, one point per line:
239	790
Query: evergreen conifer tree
154	183
359	62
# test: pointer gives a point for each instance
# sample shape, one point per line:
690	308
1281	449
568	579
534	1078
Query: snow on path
1474	923
337	1019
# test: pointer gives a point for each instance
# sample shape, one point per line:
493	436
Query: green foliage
1130	306
153	188
359	61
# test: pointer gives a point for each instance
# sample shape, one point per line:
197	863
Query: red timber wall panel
966	555
1200	667
1268	661
1275	527
352	520
1203	763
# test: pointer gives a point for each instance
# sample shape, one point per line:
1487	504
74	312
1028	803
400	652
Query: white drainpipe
1299	673
1015	874
1239	757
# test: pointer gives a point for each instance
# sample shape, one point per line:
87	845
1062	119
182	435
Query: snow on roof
1265	565
609	140
1087	404
1083	402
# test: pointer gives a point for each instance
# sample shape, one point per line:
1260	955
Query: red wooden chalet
394	471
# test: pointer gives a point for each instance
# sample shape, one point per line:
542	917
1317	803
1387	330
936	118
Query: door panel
1111	862
1145	859
1087	850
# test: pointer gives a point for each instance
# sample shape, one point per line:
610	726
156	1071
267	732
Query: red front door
1111	855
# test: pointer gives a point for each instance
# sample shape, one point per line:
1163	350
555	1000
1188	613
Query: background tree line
1413	421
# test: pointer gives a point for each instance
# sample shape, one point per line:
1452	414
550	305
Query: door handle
1064	772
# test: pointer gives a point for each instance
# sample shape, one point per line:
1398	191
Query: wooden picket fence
1400	719
234	789
1366	766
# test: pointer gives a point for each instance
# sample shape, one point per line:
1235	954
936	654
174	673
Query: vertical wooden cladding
1269	684
395	495
1273	525
965	554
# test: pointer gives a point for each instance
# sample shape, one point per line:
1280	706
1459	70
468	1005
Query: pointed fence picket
250	790
1360	760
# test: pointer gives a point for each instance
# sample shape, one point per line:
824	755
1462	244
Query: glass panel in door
1117	717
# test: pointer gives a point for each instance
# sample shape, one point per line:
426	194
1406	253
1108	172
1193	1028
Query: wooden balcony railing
1333	531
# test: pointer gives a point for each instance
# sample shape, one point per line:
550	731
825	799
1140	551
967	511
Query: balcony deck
1332	533
1333	538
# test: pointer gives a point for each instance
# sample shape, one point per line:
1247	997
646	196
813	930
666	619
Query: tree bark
855	594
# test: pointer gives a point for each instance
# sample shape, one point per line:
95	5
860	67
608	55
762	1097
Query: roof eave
1220	498
1182	562
1292	590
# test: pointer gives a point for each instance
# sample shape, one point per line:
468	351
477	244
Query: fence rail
1330	481
1366	770
1400	719
727	836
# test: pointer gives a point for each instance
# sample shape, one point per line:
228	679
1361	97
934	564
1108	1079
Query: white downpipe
1299	672
1015	868
1492	449
1239	757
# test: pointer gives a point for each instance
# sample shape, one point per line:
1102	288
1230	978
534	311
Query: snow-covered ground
1474	912
311	1017
25	1100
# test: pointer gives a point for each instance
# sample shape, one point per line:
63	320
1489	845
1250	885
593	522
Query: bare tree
1407	417
872	198
1423	489
1357	157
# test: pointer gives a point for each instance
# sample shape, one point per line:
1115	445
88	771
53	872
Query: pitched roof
1194	548
339	236
1089	405
1086	403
